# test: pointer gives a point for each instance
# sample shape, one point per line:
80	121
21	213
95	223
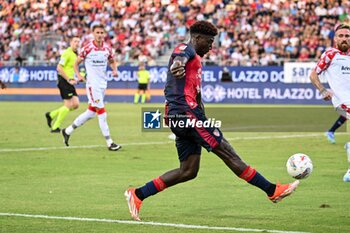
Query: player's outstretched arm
177	69
64	75
76	69
114	66
327	95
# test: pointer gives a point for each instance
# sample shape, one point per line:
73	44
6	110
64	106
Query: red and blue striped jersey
183	94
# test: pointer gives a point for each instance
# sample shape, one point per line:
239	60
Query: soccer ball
299	166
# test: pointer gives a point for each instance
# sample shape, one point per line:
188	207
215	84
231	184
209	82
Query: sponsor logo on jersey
98	62
182	47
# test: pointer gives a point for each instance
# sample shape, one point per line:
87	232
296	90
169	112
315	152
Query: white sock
347	148
102	120
69	130
80	120
109	141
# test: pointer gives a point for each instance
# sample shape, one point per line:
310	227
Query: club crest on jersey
182	47
97	101
216	133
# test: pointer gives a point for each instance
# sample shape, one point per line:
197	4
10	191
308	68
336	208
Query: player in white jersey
334	65
96	56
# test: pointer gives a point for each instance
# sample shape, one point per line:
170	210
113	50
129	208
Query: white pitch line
78	147
281	136
163	142
146	223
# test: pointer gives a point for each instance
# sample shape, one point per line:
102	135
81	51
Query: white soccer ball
299	166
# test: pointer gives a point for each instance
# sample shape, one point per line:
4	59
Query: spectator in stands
304	54
275	27
226	75
2	85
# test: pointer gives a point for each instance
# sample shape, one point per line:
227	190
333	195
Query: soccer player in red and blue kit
183	96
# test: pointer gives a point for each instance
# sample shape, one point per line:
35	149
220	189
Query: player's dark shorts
143	86
67	91
189	140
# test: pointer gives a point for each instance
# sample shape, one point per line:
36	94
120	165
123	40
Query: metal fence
160	62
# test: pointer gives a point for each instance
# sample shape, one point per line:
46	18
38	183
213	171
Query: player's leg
62	113
75	103
148	95
275	192
330	133
137	96
229	156
346	177
189	156
69	105
79	121
82	118
143	97
189	166
102	119
188	170
70	100
213	140
344	111
50	116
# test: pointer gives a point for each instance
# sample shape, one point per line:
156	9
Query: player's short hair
98	26
203	27
73	37
341	26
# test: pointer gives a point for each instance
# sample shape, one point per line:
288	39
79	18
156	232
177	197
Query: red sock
248	174
159	183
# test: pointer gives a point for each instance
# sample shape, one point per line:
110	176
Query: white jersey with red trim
96	61
334	65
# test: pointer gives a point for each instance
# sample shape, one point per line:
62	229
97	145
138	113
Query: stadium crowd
252	32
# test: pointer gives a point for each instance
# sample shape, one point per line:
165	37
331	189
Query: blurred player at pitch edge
96	55
183	96
143	83
65	84
334	65
330	133
2	85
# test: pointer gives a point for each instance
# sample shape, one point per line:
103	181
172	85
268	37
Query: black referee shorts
67	91
143	86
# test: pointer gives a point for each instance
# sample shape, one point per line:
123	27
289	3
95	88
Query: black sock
339	122
259	181
271	190
139	194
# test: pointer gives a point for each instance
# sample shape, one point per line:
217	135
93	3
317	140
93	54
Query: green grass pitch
90	182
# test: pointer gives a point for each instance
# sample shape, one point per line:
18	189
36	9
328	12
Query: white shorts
96	96
344	110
